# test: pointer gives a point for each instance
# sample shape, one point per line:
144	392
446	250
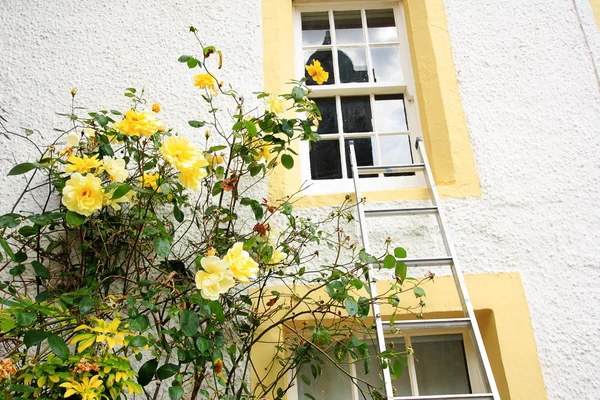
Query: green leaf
146	372
10	220
162	246
85	304
74	219
184	59
389	262
102	119
401	271
58	346
396	369
305	379
33	337
166	371
20	256
217	188
196	124
7	248
138	341
143	322
42	296
399	252
21	169
192	63
287	161
419	292
177	213
175	392
17	270
202	344
257	209
121	191
40	270
351	306
189	323
24	318
28	230
250	127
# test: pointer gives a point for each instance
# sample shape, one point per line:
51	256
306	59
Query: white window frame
474	371
406	88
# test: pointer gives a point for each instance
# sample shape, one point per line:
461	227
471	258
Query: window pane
390	114
365	154
315	29
348	27
325	58
381	26
386	64
356	114
353	64
325	160
333	384
401	385
328	123
395	150
440	364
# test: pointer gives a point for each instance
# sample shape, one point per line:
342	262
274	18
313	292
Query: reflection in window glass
315	29
325	160
381	26
333	384
328	123
356	114
395	150
353	65
390	114
365	154
441	365
325	57
401	385
348	27
386	64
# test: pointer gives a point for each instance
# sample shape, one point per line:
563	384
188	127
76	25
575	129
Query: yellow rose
89	132
275	104
276	258
317	73
156	107
205	81
191	177
83	194
215	279
213	160
72	139
240	263
264	151
179	152
150	181
137	124
83	164
115	168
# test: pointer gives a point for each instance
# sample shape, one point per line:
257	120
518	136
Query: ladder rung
389	169
400	211
426	262
447	323
475	396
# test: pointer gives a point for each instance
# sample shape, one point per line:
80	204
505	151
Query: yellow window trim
503	315
442	117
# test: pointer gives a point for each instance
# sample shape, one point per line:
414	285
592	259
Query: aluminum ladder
469	321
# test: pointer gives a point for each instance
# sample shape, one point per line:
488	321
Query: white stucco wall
531	100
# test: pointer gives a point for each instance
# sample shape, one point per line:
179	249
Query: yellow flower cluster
205	81
7	369
188	160
275	104
84	164
317	73
83	194
87	388
103	332
138	124
217	276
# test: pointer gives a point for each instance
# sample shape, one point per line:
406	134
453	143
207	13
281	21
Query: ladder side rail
461	286
387	379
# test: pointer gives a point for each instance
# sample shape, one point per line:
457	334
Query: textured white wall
529	91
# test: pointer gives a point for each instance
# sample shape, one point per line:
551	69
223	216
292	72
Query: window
367	98
443	364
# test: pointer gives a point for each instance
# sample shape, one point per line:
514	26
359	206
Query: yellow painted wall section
442	116
503	314
596	8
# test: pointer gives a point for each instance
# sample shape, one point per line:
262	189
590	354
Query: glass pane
356	114
353	64
440	364
315	29
381	26
328	123
333	384
390	114
401	385
348	27
395	150
325	57
325	160
386	64
365	154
